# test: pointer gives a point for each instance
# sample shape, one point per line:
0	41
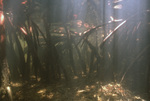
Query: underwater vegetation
74	50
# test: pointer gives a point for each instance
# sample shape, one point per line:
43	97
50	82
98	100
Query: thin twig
137	57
